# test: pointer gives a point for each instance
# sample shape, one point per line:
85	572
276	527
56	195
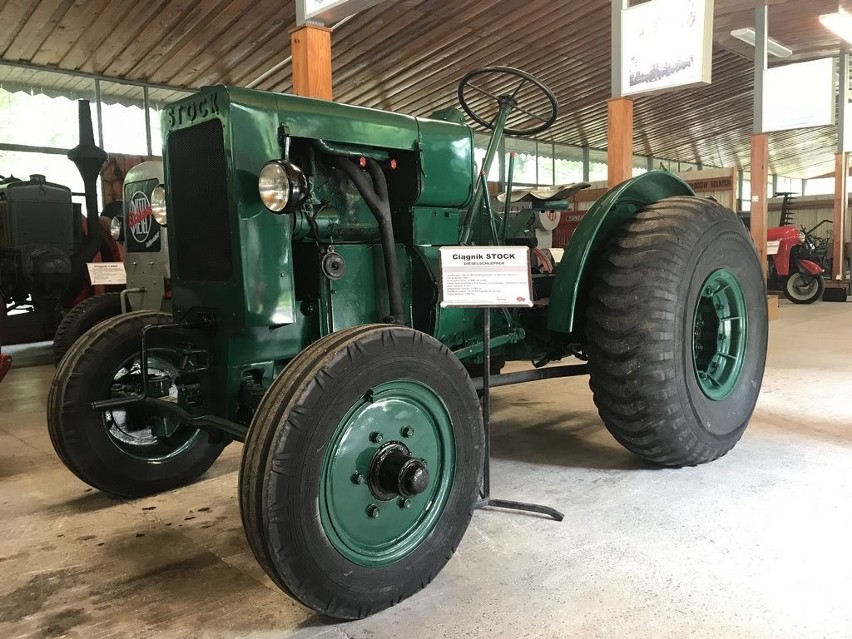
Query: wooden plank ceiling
408	55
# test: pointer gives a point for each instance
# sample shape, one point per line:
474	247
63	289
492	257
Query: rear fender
607	214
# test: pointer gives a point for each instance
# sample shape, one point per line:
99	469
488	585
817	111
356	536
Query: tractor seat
546	194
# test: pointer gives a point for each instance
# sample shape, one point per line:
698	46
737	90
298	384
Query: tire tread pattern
81	318
631	323
283	401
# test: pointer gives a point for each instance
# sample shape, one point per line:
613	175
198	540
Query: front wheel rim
719	334
139	434
368	527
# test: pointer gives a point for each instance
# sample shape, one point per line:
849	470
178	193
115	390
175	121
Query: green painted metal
278	300
512	337
435	226
597	226
148	436
261	320
480	192
508	204
360	295
719	334
447	167
361	527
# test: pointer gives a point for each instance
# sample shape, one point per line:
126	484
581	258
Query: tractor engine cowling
325	259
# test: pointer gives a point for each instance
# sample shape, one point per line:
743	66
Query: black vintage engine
39	231
43	251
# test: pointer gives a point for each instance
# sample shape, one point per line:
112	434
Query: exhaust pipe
89	159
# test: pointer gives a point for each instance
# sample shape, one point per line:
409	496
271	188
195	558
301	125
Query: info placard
478	276
106	273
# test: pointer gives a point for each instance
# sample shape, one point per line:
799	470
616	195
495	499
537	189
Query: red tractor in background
790	270
800	279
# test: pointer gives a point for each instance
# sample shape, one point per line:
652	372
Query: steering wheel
497	79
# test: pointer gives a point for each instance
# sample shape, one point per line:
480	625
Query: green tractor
307	322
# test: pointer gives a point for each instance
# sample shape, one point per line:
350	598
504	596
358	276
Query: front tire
317	510
677	331
126	452
804	289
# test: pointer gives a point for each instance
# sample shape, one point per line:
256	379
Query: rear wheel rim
719	334
373	529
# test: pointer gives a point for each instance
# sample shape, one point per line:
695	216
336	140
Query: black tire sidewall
86	445
295	499
81	318
721	246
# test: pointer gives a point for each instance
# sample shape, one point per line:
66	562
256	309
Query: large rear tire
81	318
126	452
349	412
677	331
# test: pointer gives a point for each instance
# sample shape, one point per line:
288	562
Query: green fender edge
607	214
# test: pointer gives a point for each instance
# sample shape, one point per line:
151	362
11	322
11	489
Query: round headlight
158	204
115	227
282	186
802	237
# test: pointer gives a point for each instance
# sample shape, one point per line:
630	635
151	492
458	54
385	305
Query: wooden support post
311	49
619	140
841	206
841	170
759	203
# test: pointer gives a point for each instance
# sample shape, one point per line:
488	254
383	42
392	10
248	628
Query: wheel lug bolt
373	511
358	478
408	431
377	438
404	503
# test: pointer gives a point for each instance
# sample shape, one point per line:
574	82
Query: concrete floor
757	544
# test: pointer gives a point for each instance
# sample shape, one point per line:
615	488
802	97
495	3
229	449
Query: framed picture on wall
666	44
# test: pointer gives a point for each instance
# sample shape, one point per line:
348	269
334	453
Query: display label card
106	273
480	276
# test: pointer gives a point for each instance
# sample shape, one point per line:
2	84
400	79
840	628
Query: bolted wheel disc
719	334
372	522
361	469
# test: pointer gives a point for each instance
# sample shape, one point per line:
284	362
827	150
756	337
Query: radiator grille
199	198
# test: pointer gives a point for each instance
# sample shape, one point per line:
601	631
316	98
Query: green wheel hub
140	434
719	334
366	524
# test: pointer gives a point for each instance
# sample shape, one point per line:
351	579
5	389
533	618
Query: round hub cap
719	334
387	473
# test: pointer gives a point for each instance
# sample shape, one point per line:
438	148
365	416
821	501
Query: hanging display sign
800	95
666	44
327	12
483	276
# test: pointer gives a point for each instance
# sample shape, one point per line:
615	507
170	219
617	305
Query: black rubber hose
376	197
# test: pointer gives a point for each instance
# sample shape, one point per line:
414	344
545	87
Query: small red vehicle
801	280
